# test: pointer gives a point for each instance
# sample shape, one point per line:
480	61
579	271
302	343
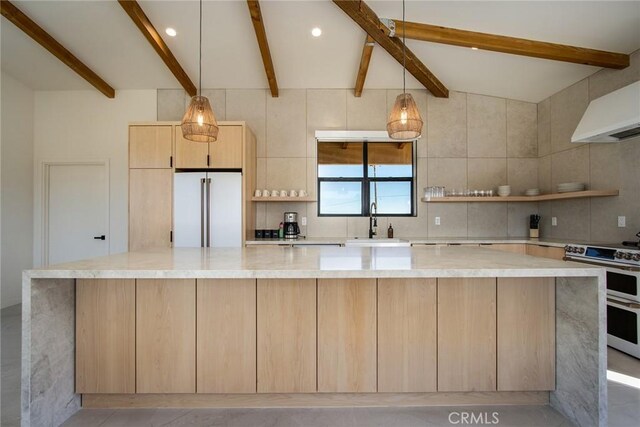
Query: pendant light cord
200	55
404	53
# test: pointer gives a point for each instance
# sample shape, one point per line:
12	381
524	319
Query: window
353	175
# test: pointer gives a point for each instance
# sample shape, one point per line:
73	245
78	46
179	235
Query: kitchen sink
381	242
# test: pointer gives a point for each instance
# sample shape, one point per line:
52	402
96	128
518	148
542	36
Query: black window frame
365	182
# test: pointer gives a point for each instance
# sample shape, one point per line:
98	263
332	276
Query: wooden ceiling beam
44	39
367	50
512	45
367	19
145	26
261	35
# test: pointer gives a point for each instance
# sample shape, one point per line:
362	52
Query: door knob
103	237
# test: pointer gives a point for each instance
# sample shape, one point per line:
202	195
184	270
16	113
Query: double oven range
622	264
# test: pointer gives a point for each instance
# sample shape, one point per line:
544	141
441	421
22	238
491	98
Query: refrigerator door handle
208	212
202	212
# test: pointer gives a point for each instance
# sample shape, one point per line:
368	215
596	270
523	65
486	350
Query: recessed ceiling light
474	48
316	32
171	32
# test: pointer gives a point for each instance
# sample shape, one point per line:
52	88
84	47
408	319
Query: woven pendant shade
404	121
198	123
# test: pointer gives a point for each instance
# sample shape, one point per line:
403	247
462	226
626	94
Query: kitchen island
334	326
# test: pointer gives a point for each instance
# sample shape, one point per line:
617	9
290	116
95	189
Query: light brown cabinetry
542	251
105	336
407	347
347	335
150	207
225	153
150	146
286	336
526	334
226	336
160	146
165	336
467	334
516	248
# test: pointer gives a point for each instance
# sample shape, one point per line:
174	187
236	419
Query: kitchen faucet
373	220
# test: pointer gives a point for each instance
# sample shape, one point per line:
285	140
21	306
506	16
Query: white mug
284	193
302	193
275	193
293	193
258	193
266	193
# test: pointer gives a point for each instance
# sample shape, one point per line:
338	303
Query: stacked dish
569	187
504	190
532	192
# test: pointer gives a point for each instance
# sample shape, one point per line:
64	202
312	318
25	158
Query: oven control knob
566	248
618	255
580	250
636	257
627	255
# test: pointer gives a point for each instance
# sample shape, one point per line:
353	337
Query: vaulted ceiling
101	35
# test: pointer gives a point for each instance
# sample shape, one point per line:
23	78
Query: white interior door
77	212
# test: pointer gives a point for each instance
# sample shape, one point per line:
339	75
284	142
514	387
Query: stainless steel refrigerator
207	209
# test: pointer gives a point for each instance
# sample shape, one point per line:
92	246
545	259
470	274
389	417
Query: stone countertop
314	262
421	241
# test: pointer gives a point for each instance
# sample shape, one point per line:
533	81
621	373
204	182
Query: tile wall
600	166
469	141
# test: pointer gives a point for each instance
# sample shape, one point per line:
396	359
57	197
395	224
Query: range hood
611	118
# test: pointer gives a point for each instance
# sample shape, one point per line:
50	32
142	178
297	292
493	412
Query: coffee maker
291	229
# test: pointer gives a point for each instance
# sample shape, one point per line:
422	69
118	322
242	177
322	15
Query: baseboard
260	400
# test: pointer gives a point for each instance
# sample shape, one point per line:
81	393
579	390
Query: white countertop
418	241
315	262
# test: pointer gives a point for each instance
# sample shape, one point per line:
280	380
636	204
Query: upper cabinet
150	147
225	153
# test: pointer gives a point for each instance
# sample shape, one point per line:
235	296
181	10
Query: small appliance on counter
291	229
534	226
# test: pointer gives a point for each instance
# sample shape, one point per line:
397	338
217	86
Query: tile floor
624	404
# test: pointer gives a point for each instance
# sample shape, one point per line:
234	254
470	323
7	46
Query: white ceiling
103	37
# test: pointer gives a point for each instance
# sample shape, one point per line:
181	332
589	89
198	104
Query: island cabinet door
226	337
105	336
467	334
286	336
347	335
526	334
166	336
407	349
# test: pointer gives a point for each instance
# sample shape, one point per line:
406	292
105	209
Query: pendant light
199	123
404	121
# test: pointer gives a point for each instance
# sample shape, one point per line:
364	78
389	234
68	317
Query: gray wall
469	141
17	187
601	166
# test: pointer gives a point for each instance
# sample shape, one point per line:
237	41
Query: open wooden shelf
540	198
283	199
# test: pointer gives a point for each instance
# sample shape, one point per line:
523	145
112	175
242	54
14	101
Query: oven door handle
631	305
